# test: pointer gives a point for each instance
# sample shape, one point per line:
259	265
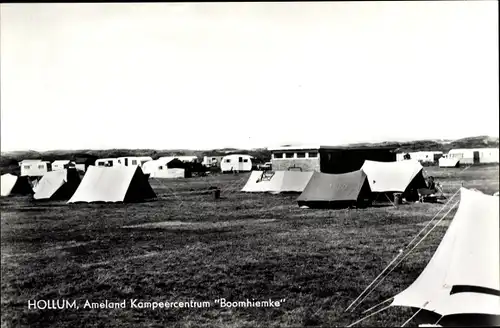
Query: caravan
109	162
133	160
236	163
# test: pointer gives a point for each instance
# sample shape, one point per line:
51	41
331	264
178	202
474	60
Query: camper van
236	163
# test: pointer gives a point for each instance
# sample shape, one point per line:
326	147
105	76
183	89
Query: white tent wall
8	182
157	168
448	162
280	181
112	184
467	256
391	176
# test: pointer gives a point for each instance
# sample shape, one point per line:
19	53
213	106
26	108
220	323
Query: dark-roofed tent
126	184
336	190
57	185
15	185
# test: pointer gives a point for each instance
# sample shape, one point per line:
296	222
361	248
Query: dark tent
336	190
14	185
57	185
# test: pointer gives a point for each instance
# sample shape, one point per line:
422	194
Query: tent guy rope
398	255
409	252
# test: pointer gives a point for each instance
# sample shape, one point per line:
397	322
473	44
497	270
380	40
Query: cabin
236	163
108	162
328	159
34	167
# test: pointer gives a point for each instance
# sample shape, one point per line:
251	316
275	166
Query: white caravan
238	163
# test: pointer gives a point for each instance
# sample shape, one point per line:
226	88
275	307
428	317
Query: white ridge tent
113	184
277	181
394	176
449	162
14	185
57	185
463	276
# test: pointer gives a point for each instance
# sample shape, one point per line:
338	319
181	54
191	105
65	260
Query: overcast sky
188	75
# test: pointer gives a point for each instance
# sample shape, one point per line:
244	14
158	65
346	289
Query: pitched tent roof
14	185
113	184
463	275
394	176
277	181
57	185
332	190
448	162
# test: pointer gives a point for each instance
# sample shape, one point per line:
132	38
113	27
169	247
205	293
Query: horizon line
448	140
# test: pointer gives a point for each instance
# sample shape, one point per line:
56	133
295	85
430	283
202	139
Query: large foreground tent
14	185
113	184
277	181
336	190
390	177
57	185
462	279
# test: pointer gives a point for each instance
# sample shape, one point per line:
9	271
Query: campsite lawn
254	246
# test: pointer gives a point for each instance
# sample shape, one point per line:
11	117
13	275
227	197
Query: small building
108	162
421	156
328	159
134	160
475	155
237	163
83	161
60	164
34	167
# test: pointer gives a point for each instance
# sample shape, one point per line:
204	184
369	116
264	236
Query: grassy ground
241	246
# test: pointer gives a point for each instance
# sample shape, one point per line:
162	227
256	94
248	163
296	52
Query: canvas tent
14	185
277	181
449	162
392	177
167	168
336	190
462	277
113	184
57	185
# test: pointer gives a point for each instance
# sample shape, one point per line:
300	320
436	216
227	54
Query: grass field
187	246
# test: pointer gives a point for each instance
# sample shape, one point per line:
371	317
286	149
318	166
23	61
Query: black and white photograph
250	164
